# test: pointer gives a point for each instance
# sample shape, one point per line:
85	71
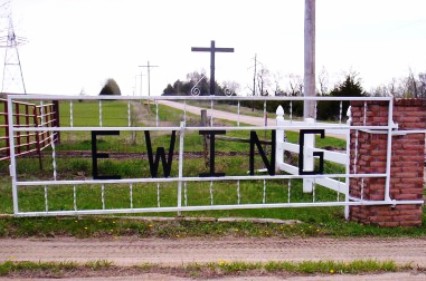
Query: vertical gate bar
184	110
264	192
313	191
211	193
46	206
37	137
131	195
362	189
100	113
181	148
52	143
211	113
185	193
264	113
71	113
291	111
288	190
12	167
340	112
158	195
238	114
74	192
238	193
348	161
157	117
129	115
389	151
103	196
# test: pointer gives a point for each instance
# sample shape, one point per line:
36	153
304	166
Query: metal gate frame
390	129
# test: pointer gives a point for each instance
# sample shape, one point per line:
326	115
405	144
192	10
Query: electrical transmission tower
13	78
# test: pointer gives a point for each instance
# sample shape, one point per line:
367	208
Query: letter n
270	165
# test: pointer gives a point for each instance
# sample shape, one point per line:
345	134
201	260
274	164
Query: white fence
177	192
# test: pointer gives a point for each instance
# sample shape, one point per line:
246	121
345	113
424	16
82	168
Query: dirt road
251	120
133	251
130	251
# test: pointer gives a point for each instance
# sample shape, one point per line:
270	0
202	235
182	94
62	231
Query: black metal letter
270	166
96	155
212	153
319	154
161	154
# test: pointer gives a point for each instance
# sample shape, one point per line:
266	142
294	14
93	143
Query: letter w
161	154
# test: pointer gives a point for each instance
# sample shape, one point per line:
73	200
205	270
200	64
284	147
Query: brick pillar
368	155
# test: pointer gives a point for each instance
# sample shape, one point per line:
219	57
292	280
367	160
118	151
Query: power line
148	66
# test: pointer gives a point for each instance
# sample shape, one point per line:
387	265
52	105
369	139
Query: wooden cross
212	51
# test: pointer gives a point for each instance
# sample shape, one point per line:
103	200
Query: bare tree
295	83
263	80
277	80
422	85
411	84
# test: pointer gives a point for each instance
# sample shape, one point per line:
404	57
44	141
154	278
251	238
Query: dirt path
130	251
251	120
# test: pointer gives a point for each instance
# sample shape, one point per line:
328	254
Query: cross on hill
212	51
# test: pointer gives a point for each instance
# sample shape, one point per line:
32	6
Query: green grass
51	269
199	270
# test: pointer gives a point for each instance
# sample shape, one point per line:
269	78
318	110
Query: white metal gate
175	192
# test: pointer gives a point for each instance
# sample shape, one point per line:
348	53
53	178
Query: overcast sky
78	44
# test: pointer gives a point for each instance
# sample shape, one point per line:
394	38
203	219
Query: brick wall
368	155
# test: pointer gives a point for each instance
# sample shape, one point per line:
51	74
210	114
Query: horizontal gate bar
201	98
193	179
215	207
196	128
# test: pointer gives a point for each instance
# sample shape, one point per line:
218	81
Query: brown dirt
126	251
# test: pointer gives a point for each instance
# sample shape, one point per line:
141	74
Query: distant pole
309	74
254	75
148	66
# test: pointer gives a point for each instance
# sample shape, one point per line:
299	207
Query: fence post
369	155
279	138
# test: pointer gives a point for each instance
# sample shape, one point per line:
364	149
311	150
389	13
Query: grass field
233	158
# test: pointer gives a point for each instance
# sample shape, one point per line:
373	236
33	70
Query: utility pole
309	90
309	74
148	66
